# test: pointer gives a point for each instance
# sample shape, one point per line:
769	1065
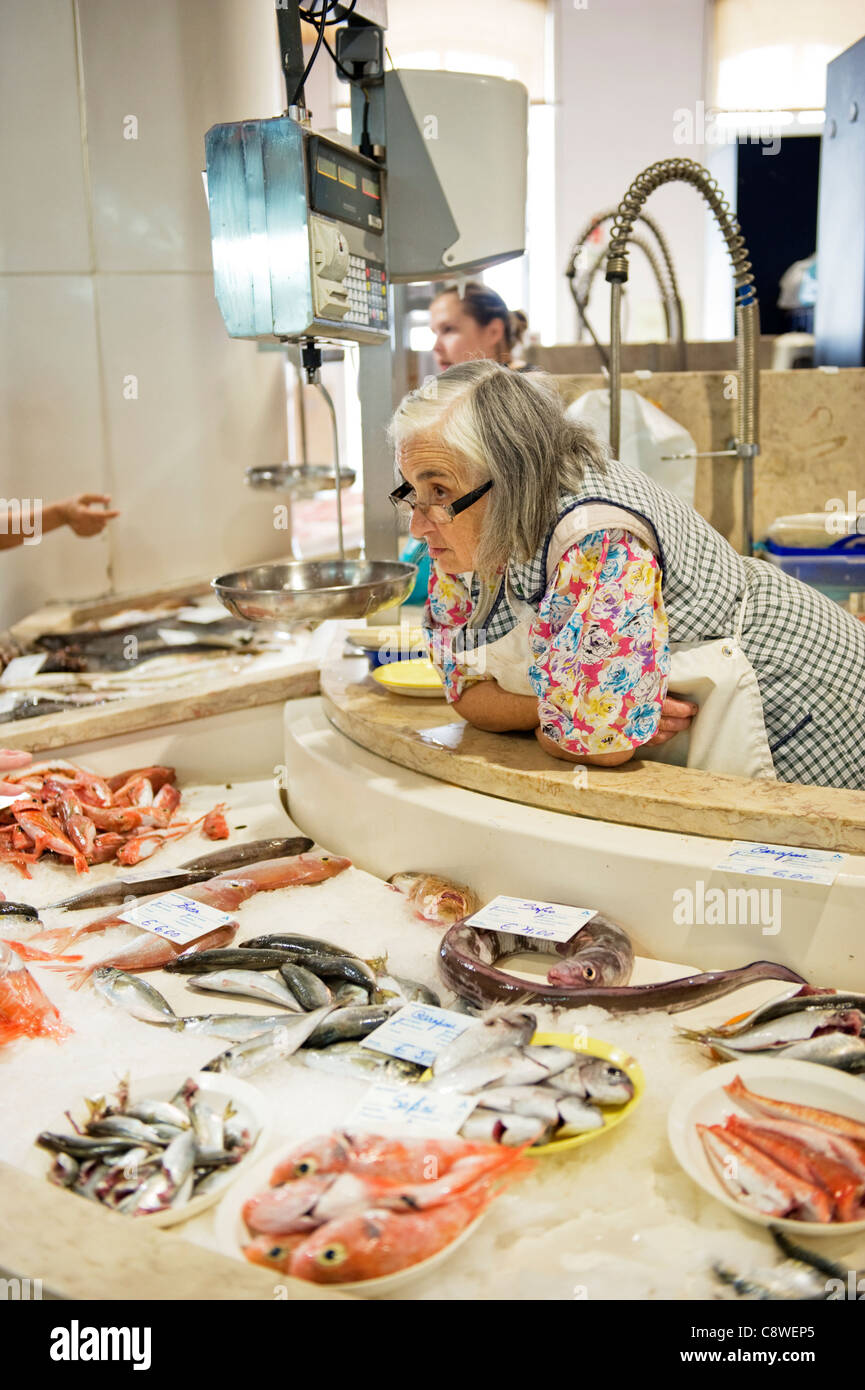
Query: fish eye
332	1255
589	972
305	1168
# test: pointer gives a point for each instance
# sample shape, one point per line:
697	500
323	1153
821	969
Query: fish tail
79	977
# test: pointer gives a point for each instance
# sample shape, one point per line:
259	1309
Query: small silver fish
595	1079
132	994
124	1127
488	1127
350	1059
309	991
282	1041
840	1050
178	1158
577	1117
535	1102
251	984
234	1027
154	1112
407	991
497	1029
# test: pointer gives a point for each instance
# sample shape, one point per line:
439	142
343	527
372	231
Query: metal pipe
583	289
747	308
330	405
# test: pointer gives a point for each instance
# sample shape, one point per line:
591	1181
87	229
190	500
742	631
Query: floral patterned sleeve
448	609
600	648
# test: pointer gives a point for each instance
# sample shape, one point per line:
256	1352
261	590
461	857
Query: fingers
89	499
12	757
678	707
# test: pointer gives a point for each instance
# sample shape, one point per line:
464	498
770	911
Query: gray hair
512	428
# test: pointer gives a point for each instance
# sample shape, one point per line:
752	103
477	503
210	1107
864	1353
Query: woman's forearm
591	759
486	706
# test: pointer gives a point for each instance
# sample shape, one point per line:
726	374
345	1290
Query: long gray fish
840	1050
196	870
790	1002
225	958
468	957
233	1027
251	984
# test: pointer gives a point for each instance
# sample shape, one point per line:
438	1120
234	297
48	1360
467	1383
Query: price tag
417	1109
781	861
8	701
418	1033
10	800
173	637
526	917
22	668
176	918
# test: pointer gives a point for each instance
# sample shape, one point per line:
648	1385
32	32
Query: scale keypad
366	283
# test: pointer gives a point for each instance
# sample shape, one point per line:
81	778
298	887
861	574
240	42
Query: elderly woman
567	591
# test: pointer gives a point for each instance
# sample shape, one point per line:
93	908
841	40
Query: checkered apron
808	654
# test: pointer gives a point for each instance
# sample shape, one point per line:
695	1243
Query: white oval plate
231	1233
704	1101
217	1090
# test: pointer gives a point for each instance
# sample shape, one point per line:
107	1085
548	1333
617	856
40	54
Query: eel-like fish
196	870
597	962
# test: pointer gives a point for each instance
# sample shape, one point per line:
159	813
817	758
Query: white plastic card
781	861
418	1033
207	613
22	668
527	917
10	800
177	918
414	1109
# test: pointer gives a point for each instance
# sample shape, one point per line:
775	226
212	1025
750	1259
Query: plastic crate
837	570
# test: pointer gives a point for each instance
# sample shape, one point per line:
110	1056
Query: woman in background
476	323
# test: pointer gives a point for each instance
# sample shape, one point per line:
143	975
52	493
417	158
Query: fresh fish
820	1141
124	1127
227	958
378	1242
80	1145
155	1112
802	1275
149	952
501	1028
120	890
252	852
534	1101
792	1001
489	1127
292	941
830	1050
577	1117
468	957
64	1170
280	1211
391	1159
25	1011
594	1079
343	1025
506	1066
349	1059
839	1181
135	996
787	1110
30	914
436	899
309	991
251	984
207	1127
177	1160
758	1181
552	1059
346	994
234	1027
155	1195
282	1041
330	967
407	991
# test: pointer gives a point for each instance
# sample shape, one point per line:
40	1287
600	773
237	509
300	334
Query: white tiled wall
105	275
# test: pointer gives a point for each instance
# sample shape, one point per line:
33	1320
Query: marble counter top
428	737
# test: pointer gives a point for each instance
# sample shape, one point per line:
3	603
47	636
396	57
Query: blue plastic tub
837	570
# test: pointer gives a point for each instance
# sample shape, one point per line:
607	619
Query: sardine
840	1050
468	957
309	991
343	1025
207	1126
177	1160
250	984
125	1127
283	1040
350	1059
135	996
347	994
330	967
80	1145
234	1027
227	958
408	991
30	914
155	1112
293	941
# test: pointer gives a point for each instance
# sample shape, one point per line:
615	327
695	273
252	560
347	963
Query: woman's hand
556	750
676	716
87	514
11	758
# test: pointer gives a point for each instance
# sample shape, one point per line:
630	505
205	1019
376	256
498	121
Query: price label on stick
527	917
418	1033
23	668
416	1109
176	918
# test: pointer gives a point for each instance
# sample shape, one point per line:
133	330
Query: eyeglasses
405	499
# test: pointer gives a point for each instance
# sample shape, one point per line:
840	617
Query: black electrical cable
315	52
311	16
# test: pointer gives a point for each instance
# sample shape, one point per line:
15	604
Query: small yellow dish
417	677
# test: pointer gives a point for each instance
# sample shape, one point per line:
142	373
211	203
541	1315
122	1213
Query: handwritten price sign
418	1033
528	917
176	918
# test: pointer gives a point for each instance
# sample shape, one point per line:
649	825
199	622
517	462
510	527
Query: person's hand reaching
87	514
676	716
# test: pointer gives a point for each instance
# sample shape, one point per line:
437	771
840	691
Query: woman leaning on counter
568	591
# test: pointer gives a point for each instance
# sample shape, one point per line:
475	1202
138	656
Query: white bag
647	435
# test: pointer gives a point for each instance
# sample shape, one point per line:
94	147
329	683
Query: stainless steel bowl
300	479
313	590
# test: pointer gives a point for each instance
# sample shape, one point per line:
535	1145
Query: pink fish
150	952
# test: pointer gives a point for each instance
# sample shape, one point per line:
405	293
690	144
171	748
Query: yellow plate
613	1114
416	677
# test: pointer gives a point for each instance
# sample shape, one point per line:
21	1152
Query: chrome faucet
745	445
